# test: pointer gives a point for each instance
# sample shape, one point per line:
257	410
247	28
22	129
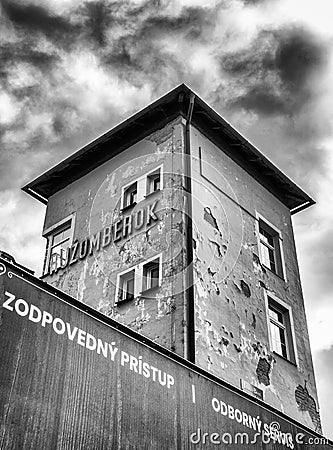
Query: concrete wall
95	199
231	325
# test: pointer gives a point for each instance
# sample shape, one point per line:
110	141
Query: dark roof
155	116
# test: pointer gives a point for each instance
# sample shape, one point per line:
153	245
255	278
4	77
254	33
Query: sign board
71	380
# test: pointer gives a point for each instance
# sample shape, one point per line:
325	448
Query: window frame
142	190
144	284
51	232
149	175
121	277
277	248
125	190
276	304
139	287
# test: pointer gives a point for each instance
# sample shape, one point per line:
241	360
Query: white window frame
148	181
50	232
286	310
139	287
123	195
120	286
278	248
142	184
146	263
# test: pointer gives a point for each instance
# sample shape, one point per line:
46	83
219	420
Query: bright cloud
8	109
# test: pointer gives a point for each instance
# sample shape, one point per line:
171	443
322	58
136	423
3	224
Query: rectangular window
151	275
270	247
154	181
136	191
59	240
138	279
126	286
280	328
59	244
130	195
278	331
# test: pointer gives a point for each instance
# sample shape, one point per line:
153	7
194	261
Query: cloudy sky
72	69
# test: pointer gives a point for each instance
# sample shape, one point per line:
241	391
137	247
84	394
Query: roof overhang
154	117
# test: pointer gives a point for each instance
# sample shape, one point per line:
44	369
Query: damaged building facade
176	226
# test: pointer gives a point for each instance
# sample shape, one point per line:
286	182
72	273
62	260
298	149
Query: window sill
128	207
152	193
285	359
149	291
123	302
274	273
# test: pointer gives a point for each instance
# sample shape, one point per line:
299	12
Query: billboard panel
70	379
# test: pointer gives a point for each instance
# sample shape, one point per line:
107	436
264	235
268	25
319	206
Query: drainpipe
189	342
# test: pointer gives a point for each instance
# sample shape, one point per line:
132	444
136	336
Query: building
176	226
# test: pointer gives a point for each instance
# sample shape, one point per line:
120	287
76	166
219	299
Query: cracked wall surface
231	326
96	201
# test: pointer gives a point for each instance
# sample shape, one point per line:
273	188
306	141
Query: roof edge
142	123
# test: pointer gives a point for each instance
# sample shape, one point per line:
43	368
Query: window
59	239
130	195
270	247
151	275
278	331
143	186
60	242
126	286
154	182
138	279
280	328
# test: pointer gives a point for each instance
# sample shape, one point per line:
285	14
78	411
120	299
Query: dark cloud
190	21
275	70
139	53
122	54
58	125
23	51
297	56
98	16
124	36
262	98
28	92
37	19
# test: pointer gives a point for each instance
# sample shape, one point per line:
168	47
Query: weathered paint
96	201
231	333
73	379
230	301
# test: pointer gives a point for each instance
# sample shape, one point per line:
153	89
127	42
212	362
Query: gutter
189	340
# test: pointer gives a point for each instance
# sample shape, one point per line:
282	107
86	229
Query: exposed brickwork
307	403
263	371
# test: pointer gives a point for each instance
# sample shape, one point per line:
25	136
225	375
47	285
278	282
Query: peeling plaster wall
96	201
231	328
